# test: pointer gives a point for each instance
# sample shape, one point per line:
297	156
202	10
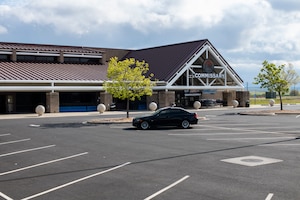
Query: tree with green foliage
270	77
127	80
290	75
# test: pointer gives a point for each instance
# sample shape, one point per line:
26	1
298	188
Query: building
70	78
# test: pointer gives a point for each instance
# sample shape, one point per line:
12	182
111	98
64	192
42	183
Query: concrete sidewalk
252	110
69	114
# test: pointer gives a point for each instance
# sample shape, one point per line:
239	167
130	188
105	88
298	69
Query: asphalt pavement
225	156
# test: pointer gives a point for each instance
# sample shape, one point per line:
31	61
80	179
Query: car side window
177	112
164	113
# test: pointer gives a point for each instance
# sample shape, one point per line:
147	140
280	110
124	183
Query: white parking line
44	163
15	141
75	181
166	188
34	125
240	129
280	145
5	196
269	197
266	138
211	134
6	134
27	150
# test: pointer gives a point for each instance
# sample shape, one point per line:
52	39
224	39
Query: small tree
270	77
290	75
127	80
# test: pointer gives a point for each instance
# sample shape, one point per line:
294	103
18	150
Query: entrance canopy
192	65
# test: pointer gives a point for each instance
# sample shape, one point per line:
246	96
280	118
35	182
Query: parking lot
224	156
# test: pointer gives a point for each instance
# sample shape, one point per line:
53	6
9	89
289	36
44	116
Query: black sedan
168	116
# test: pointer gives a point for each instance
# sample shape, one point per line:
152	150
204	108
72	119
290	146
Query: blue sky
245	32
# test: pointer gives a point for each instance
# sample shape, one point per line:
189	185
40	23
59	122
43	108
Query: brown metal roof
52	71
165	61
48	48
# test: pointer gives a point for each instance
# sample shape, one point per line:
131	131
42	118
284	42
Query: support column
228	97
165	98
52	102
103	59
13	56
106	99
242	97
61	57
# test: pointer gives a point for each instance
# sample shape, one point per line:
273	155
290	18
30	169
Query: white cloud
3	30
248	32
83	16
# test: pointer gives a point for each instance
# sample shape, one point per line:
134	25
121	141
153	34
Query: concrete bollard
40	110
235	103
152	106
272	102
101	108
197	104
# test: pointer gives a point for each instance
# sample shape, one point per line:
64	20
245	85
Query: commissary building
70	78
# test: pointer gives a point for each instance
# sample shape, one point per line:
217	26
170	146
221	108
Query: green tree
127	80
290	75
270	77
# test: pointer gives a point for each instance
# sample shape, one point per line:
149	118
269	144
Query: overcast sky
245	32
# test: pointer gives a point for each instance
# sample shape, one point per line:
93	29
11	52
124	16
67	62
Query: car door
163	118
176	117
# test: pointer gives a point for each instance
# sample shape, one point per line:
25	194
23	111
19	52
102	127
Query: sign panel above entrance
207	75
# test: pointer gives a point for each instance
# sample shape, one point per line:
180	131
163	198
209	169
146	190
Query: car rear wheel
185	124
144	125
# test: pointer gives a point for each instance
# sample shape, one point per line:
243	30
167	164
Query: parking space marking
167	188
27	150
76	181
5	196
252	161
266	138
280	145
41	164
120	126
34	125
15	141
6	134
273	129
269	197
241	129
210	134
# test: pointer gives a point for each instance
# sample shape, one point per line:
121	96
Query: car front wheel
144	125
185	124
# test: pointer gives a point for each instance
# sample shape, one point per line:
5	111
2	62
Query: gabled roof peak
176	44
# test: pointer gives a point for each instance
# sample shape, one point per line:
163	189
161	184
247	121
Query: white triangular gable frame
206	82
